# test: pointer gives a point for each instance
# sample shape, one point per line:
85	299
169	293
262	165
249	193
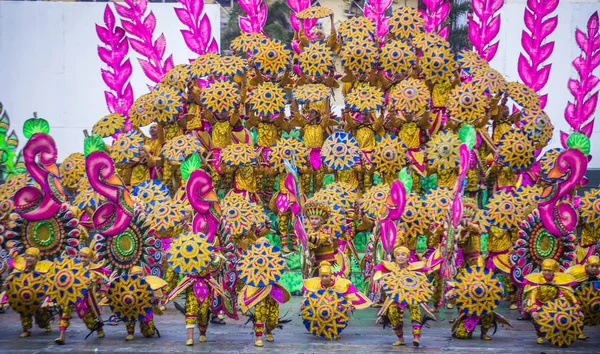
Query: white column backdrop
49	63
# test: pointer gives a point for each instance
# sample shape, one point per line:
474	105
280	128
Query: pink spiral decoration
140	29
484	27
531	69
39	155
375	11
114	216
200	193
198	35
114	54
435	13
256	15
579	113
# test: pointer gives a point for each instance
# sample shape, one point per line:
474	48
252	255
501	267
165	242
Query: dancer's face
315	221
592	269
326	280
153	131
548	274
401	258
30	261
83	258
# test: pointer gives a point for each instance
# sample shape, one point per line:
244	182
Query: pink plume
375	11
531	69
140	29
484	27
579	113
297	6
198	35
435	13
256	15
113	53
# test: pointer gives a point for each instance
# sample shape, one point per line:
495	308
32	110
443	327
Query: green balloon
190	165
467	135
406	179
35	125
580	142
93	143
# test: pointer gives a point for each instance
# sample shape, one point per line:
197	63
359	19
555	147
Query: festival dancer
28	273
260	269
320	241
545	288
87	308
392	276
337	294
587	291
149	165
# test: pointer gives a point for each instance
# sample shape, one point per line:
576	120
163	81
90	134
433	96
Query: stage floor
361	336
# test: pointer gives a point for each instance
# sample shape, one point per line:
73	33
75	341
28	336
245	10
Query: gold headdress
325	268
317	208
593	260
33	251
550	264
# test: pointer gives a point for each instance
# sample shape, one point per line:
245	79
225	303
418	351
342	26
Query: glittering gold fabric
507	177
267	313
221	135
409	134
349	177
365	136
41	319
589	235
447	178
245	179
498	240
196	314
267	134
313	135
472	180
470	242
124	171
440	93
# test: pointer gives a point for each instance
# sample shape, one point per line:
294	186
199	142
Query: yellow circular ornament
109	125
406	22
523	95
407	287
359	56
316	59
261	265
314	12
190	253
140	112
311	93
67	281
228	66
272	57
203	65
467	103
364	99
357	28
397	58
25	292
72	170
220	97
267	99
410	97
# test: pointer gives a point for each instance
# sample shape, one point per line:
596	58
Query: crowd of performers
432	146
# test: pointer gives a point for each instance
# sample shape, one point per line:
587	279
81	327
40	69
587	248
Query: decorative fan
283	150
490	80
267	99
325	313
109	125
203	65
261	265
406	22
127	147
316	59
397	58
220	97
67	281
467	103
523	95
272	57
25	292
537	126
535	244
443	151
181	147
340	151
246	42
136	246
589	300
151	193
130	298
411	222
559	322
410	96
140	112
364	99
314	12
359	56
373	202
359	27
166	103
229	66
471	62
478	291
167	215
423	40
238	155
437	64
52	236
190	253
502	210
178	77
589	209
515	150
343	193
241	216
390	154
311	93
436	204
72	170
407	287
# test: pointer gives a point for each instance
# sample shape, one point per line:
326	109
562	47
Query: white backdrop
49	63
572	14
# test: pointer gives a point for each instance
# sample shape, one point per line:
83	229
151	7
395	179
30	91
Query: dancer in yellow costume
28	274
320	240
150	166
87	308
339	295
546	286
260	269
147	324
587	291
395	277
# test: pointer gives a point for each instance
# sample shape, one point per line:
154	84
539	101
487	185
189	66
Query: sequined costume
586	291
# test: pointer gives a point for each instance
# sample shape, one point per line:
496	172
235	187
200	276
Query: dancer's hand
535	316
